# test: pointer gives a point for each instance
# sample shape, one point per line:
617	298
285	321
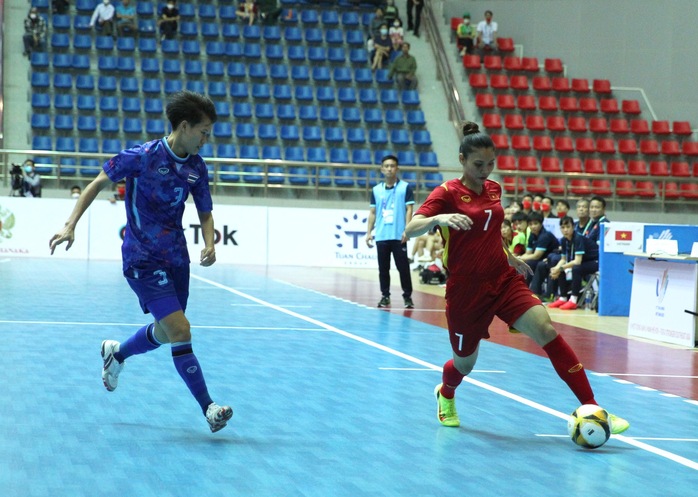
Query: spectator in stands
390	12
382	46
269	11
397	35
487	34
125	17
120	192
247	10
377	23
414	20
31	181
466	35
579	258
103	17
513	239
541	243
546	207
427	246
391	205
60	6
562	208
527	203
537	201
404	69
168	21
582	216
519	221
34	32
597	212
75	191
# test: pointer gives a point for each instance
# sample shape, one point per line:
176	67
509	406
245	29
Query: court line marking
522	400
221	327
642	375
655	439
430	369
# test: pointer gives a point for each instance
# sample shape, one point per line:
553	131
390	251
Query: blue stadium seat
41	101
296	53
351	115
282	92
251	32
111	146
152	86
267	132
278	72
394	117
222	108
229	173
186	10
195	85
87	103
133	126
410	97
60	41
358	56
317	54
344	177
210	30
236	70
106	63
215	48
109	124
82	42
378	136
41	121
334	134
407	158
271	152
191	47
355	38
154	106
206	150
61	22
63	101
39	60
81	23
170	47
62	80
87	123
373	116
85	82
421	138
67	166
363	75
294	154
171	66
207	11
382	78
321	74
309	16
156	128
350	19
290	133
61	61
146	27
368	96
126	44
149	65
275	174
242	110
340	155
128	85
399	137
40	80
316	154
337	55
274	52
334	37
217	89
257	71
341	75
189	29
239	91
428	159
312	134
415	118
85	5
88	145
261	91
108	104
145	9
432	180
106	84
271	33
80	62
245	131
223	129
389	97
230	31
379	154
409	177
307	113
193	67
313	36
356	135
42	143
329	113
286	112
304	93
147	45
325	94
126	64
324	175
298	175
233	50
105	43
300	73
330	18
226	151
361	156
293	34
131	105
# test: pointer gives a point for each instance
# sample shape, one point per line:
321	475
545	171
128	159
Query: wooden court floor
332	396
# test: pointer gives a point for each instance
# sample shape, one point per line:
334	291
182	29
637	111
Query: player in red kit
484	279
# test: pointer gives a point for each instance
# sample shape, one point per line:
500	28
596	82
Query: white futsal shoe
112	367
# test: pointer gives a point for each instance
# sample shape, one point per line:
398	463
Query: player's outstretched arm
67	233
208	253
421	224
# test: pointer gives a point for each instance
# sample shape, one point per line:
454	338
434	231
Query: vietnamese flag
624	235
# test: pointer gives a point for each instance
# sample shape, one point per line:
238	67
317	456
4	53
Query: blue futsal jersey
158	184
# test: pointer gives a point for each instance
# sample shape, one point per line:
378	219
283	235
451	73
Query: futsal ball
589	426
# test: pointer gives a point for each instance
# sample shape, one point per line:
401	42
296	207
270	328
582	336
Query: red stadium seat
671	147
561	84
616	166
659	168
580	85
649	147
602	86
493	63
536	185
681	128
478	81
606	146
499	82
530	64
528	163
619	126
547	103
542	144
542	83
625	188
519	82
585	145
472	62
501	142
593	166
670	189
577	124
534	122
554	66
609	106
550	165
512	64
572	165
661	128
512	184
680	169
455	22
598	125
513	122
588	105
580	186
689	190
627	146
506	163
690	148
484	101
637	168
521	143
639	127
555	124
569	104
645	189
526	103
557	186
492	121
564	144
506	102
505	45
601	187
631	107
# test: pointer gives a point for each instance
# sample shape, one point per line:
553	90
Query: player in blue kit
159	176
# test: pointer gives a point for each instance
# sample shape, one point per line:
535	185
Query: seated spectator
75	191
597	213
168	21
382	46
546	207
583	220
466	35
269	11
247	10
397	35
125	17
60	6
513	239
103	17
527	203
562	207
427	247
487	34
511	209
579	258
541	243
390	12
376	23
31	183
404	69
120	193
34	32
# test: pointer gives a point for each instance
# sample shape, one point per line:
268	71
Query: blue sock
141	342
189	369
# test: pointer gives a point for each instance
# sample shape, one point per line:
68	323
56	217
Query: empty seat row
659	168
520	82
511	63
549	103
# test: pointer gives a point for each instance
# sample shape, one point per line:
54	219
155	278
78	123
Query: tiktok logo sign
349	237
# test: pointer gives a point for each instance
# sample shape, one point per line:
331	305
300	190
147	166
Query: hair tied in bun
470	128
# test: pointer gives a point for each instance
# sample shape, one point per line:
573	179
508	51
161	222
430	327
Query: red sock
451	378
569	368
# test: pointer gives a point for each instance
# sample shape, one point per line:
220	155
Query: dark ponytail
473	138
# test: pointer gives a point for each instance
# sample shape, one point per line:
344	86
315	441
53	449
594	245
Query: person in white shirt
487	33
103	15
